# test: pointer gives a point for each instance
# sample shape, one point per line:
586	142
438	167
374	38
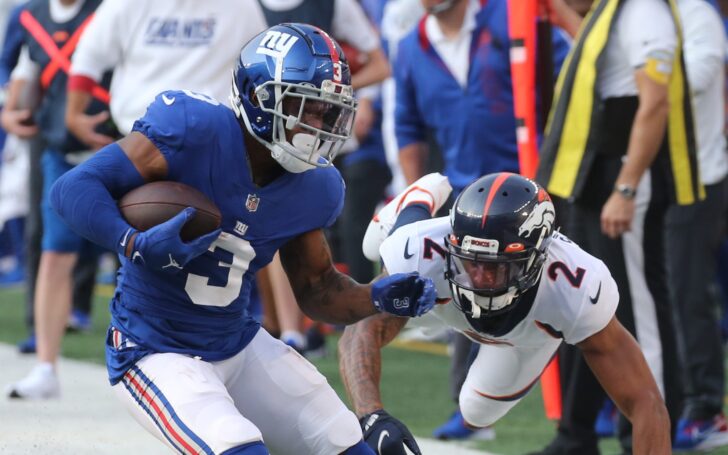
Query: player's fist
387	435
161	248
404	294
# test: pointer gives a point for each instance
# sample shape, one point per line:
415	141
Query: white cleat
431	190
40	384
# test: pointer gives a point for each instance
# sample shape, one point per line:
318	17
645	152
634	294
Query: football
154	203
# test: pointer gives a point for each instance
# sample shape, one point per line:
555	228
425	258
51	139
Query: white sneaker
40	384
483	434
432	190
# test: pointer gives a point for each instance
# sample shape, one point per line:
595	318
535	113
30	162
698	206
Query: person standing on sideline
619	147
691	266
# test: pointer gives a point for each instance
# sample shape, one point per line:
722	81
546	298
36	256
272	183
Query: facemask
479	302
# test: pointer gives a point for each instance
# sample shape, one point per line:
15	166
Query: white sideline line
88	419
434	447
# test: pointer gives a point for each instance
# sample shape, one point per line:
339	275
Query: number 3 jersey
201	309
575	298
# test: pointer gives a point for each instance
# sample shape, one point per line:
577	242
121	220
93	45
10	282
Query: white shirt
577	311
164	45
349	24
455	52
705	49
642	28
397	20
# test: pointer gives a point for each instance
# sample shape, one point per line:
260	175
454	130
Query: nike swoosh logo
167	100
407	254
382	435
126	237
595	299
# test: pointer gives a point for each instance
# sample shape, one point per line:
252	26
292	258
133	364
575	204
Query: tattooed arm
360	359
322	292
325	294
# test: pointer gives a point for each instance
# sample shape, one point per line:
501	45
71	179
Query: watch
627	191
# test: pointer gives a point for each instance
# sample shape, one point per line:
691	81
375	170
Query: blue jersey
202	310
474	125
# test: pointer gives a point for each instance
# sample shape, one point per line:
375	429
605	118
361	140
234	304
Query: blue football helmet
501	229
295	76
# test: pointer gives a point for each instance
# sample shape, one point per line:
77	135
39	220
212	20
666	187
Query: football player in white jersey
508	281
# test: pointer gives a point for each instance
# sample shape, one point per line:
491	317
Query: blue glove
387	435
161	248
404	294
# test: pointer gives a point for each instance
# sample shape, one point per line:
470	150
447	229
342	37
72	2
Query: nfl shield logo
252	203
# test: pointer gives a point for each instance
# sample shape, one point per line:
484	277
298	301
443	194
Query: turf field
414	382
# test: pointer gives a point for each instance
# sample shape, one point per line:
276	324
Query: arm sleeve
642	39
99	48
165	125
85	196
12	44
350	23
704	46
594	316
409	126
338	190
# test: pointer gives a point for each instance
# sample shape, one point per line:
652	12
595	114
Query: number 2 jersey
575	298
201	310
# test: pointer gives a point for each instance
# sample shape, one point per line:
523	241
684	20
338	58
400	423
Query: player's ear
254	98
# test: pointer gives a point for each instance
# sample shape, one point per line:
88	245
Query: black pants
582	394
366	182
693	235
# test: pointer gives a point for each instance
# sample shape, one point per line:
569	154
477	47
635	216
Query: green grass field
414	383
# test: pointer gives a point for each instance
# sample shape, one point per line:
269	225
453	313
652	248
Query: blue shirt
474	126
203	310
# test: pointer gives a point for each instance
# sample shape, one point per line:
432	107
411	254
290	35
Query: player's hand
617	215
84	128
19	122
387	435
404	294
161	248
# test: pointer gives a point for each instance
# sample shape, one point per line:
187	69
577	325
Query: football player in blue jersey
182	354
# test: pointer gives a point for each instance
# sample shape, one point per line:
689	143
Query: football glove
161	248
387	435
404	294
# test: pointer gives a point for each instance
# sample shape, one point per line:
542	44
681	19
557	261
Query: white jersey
576	296
165	45
632	41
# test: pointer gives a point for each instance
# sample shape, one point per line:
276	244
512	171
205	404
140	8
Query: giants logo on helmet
276	44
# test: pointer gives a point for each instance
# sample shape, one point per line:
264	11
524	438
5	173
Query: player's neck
452	20
263	168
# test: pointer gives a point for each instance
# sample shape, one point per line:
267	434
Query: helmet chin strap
288	153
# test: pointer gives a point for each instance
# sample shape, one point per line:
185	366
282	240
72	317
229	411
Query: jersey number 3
197	287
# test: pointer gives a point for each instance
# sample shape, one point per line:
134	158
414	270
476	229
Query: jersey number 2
197	287
574	279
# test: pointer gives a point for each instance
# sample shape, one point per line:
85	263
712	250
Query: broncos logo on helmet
541	217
